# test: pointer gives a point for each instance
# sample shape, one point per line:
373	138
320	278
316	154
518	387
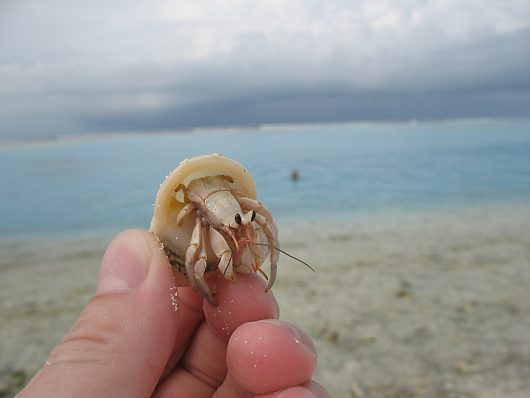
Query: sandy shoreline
403	305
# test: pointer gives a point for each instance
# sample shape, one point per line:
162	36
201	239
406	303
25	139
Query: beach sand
417	304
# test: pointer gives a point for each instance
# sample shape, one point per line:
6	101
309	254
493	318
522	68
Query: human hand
130	342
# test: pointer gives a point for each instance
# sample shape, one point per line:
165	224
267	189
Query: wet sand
433	304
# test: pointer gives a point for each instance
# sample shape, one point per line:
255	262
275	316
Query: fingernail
298	392
299	336
125	263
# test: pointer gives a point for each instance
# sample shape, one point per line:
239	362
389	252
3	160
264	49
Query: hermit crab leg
186	210
272	238
229	232
223	253
201	265
264	218
196	262
181	187
252	204
192	253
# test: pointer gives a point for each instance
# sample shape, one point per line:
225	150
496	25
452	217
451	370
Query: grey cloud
115	69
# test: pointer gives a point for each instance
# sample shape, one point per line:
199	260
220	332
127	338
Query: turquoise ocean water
74	186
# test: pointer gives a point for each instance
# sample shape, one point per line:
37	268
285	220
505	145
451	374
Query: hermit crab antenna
287	254
229	262
224	272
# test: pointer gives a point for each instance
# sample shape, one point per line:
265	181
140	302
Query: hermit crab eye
253	215
238	219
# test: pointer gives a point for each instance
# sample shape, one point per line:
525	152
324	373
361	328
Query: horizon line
239	128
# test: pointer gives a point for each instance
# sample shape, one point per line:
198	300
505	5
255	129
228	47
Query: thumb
123	339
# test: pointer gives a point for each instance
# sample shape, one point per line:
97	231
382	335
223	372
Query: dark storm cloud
69	68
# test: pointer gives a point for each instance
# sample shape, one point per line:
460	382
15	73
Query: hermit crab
210	223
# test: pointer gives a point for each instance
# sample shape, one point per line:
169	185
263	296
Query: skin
130	341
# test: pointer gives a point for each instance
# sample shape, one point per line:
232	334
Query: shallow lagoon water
419	234
109	183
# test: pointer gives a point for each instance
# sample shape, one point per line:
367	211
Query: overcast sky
71	66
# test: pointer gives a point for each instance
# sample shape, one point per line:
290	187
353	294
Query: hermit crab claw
210	224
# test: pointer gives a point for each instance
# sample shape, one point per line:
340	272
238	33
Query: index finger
241	301
204	361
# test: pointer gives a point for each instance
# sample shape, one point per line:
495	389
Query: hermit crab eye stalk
238	218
